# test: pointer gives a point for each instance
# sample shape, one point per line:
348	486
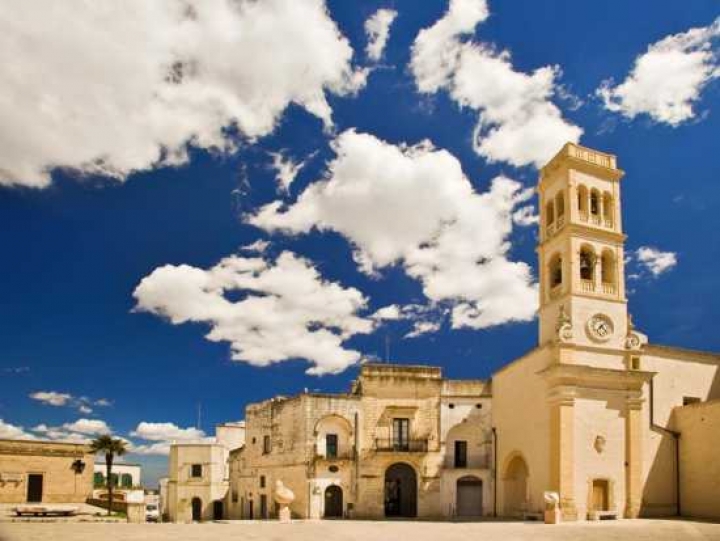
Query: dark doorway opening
469	501
333	502
263	506
35	488
218	510
196	504
400	491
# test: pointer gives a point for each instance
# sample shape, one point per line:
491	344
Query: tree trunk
108	470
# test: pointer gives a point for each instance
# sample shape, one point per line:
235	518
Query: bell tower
581	250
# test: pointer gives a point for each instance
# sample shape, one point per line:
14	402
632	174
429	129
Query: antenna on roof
199	415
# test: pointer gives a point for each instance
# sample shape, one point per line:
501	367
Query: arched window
583	201
126	480
560	204
555	269
608	268
608	209
549	213
594	202
587	263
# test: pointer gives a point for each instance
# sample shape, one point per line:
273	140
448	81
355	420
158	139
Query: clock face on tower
600	328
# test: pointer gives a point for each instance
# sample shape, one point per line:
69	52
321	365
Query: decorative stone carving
633	339
283	497
600	328
599	444
564	326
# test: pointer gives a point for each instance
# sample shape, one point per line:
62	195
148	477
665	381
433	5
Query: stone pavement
631	530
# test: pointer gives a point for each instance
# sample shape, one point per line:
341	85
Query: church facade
588	413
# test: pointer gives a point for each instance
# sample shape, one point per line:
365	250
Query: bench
45	510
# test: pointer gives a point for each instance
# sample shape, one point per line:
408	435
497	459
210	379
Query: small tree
111	447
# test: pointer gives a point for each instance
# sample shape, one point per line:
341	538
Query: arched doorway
196	505
469	500
218	510
400	491
515	485
333	502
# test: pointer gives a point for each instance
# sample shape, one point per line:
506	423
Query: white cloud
88	426
258	247
517	121
103	402
285	169
165	432
52	398
85	409
159	448
163	435
423	327
13	432
526	216
288	310
116	87
656	261
415	206
667	80
377	29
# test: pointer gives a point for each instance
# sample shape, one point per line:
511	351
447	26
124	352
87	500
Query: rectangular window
461	454
635	363
196	470
234	495
266	445
331	445
262	481
687	400
401	434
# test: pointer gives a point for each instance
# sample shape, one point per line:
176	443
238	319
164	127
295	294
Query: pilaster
633	456
562	440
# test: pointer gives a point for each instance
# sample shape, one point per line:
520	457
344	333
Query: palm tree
112	447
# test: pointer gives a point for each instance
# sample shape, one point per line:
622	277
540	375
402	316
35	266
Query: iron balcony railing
475	462
401	446
343	453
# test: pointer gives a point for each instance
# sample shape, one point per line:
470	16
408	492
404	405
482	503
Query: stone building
197	485
587	413
403	441
33	471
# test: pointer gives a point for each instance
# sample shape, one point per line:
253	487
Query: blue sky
88	207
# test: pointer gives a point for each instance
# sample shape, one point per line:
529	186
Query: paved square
635	530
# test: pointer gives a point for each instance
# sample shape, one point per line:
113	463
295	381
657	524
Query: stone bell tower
581	250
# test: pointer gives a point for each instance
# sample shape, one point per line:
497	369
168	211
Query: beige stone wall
679	373
54	461
522	418
699	426
210	487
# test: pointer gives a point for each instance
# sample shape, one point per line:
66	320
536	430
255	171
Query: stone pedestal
284	514
552	516
136	513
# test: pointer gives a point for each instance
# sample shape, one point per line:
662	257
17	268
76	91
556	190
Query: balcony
405	446
555	291
345	452
587	286
609	289
475	462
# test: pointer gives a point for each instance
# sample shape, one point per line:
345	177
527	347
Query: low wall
699	427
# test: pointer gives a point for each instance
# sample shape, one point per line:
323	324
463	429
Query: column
633	456
562	441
